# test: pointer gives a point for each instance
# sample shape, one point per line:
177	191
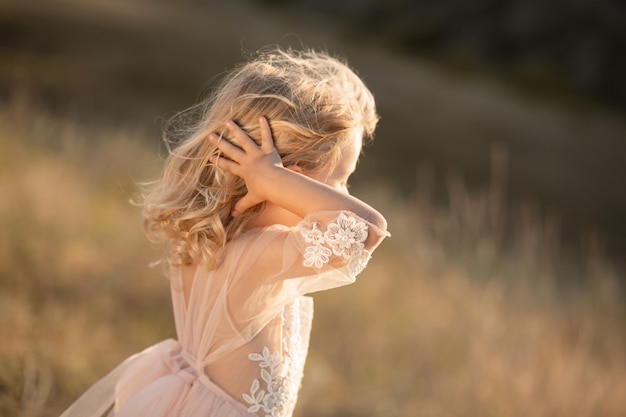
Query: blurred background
499	163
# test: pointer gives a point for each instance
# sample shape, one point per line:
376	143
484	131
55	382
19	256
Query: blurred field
477	306
470	309
132	60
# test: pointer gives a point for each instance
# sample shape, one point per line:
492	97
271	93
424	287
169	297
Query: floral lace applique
281	375
359	262
344	237
272	373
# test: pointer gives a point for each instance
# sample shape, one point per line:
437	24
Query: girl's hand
268	180
251	162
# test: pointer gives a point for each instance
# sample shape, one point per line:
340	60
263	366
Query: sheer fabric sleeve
325	250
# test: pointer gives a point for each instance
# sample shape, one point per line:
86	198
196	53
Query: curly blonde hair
312	101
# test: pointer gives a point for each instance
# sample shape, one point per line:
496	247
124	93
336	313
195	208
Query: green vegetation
469	309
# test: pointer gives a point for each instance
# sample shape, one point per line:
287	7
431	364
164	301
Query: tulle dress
243	328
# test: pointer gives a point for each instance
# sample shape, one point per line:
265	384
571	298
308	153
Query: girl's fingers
225	164
267	142
242	137
246	202
227	148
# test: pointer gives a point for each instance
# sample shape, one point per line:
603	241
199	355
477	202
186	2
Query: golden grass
469	309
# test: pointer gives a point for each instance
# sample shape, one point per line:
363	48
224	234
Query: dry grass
469	309
71	276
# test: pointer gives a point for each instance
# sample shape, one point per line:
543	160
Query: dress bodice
247	322
243	327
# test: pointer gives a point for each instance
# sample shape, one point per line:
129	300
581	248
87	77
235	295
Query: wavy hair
312	101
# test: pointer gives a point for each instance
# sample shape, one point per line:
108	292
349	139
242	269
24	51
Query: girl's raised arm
268	180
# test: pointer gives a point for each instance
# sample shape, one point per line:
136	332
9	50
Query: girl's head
315	106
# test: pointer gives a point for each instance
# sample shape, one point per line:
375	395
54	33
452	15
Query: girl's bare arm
268	180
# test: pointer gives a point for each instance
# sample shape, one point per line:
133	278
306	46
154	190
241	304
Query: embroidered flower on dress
281	375
316	255
345	236
358	264
272	373
314	236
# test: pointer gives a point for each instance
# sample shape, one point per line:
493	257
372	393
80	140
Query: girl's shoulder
342	232
341	219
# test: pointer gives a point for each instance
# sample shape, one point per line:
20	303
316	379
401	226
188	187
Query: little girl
254	208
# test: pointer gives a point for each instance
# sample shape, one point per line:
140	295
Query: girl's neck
271	215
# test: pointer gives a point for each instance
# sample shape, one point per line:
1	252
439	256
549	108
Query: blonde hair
313	103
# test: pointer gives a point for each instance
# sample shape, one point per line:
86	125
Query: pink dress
243	328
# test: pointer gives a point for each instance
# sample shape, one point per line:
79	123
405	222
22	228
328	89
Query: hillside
139	61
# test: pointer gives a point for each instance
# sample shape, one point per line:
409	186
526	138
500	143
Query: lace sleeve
325	250
271	267
345	238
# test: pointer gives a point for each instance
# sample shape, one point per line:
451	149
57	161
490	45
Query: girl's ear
295	168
